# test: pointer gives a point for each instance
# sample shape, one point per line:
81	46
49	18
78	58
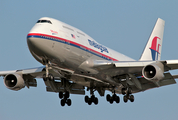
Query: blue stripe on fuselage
71	44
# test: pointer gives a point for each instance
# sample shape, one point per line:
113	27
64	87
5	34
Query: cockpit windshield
44	21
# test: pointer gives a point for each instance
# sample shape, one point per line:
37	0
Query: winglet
153	47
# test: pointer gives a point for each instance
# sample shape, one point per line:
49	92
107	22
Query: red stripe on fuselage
72	42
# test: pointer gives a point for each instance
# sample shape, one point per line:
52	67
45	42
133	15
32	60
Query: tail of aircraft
153	47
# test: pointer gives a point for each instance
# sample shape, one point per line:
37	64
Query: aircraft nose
32	41
38	45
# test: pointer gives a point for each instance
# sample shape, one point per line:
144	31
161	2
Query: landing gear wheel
96	101
89	101
131	98
93	98
125	98
128	94
60	95
114	97
86	99
62	102
108	97
64	98
66	95
69	102
111	100
117	99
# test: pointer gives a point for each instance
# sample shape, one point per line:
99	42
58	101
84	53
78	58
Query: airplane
73	63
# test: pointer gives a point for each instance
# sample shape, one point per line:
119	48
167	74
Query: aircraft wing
134	66
171	64
34	72
118	71
26	77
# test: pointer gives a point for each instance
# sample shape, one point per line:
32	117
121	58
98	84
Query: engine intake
14	81
153	71
149	71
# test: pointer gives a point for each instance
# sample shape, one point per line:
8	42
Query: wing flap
168	80
172	64
73	88
146	85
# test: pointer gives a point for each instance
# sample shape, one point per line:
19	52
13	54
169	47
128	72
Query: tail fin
153	47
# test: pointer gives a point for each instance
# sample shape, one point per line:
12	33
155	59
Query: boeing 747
72	61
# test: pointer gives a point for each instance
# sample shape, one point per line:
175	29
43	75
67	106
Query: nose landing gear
47	76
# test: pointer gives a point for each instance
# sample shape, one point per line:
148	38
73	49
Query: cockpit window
44	21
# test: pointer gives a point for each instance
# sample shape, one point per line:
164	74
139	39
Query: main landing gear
91	99
65	98
127	92
112	98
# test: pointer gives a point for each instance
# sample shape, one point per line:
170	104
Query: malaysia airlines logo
54	32
98	46
155	48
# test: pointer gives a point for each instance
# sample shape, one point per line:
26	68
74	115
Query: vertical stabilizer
153	47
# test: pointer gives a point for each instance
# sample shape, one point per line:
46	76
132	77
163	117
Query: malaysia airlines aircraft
73	61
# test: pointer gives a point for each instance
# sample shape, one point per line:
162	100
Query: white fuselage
66	46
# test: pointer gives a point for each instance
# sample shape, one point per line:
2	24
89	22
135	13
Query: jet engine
14	82
153	72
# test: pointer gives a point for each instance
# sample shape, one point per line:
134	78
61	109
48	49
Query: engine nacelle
153	72
14	82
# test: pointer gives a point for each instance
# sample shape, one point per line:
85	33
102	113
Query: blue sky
121	25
